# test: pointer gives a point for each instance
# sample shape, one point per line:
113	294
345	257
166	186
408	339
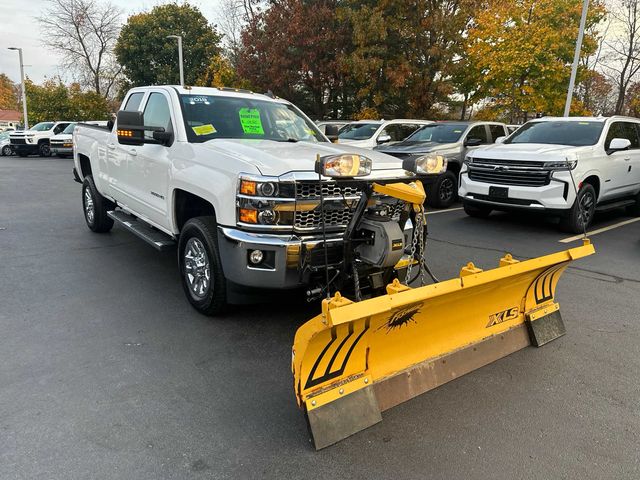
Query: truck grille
509	172
311	219
18	141
306	190
57	143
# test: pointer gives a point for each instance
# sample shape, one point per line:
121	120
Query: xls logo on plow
506	315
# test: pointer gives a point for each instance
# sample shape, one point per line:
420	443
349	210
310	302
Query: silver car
5	148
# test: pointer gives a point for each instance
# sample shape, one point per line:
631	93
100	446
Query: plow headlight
344	165
426	165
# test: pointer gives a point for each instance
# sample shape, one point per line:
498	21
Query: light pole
576	58
24	90
179	37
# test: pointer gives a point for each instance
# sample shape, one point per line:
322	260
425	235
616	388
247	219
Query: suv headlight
561	165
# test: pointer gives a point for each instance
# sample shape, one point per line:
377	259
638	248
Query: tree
84	32
53	101
623	48
293	49
404	51
8	93
220	73
148	57
523	50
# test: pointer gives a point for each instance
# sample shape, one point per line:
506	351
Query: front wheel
476	211
444	191
44	150
95	207
6	150
201	272
582	212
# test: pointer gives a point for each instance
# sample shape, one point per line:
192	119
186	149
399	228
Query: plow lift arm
359	358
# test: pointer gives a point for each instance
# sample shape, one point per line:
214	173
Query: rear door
621	168
496	130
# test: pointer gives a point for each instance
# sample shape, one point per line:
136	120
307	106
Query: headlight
426	165
344	165
256	188
561	165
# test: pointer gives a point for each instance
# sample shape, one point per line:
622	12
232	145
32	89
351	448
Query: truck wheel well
187	205
594	182
454	167
85	165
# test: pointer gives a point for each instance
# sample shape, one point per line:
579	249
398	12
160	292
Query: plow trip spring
358	359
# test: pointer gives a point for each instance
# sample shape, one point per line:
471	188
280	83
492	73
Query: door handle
111	146
133	152
627	159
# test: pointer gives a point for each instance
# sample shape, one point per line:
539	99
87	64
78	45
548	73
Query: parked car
322	124
371	133
5	147
537	167
512	128
62	143
35	141
230	176
451	140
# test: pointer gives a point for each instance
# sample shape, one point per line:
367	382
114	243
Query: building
9	119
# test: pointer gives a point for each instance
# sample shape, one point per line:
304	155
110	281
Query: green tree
148	57
523	49
53	101
220	73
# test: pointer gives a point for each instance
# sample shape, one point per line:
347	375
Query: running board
157	239
612	206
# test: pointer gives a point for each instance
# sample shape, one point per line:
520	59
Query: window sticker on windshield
194	100
250	121
583	123
457	131
207	129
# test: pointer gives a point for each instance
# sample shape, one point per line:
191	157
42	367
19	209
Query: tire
634	210
444	191
476	211
6	151
201	272
44	150
95	207
574	221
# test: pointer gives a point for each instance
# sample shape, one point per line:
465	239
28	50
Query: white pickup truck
35	141
230	177
540	166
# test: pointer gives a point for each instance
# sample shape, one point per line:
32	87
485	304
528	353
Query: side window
479	131
157	113
626	130
133	102
407	129
59	128
393	131
496	131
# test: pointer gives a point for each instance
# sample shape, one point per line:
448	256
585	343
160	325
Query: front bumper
557	196
289	260
58	150
25	148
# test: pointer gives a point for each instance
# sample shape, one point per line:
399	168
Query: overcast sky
19	28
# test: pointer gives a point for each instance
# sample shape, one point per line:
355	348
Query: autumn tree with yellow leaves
523	50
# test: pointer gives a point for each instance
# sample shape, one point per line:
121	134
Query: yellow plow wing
356	360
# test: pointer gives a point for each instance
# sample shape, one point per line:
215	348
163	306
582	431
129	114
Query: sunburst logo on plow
402	317
505	315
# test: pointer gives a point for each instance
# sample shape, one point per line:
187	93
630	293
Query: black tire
204	284
44	149
575	221
6	151
476	211
98	221
634	210
444	191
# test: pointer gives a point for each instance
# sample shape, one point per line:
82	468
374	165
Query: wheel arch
186	205
594	181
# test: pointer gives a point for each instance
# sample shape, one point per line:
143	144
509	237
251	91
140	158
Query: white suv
371	133
535	169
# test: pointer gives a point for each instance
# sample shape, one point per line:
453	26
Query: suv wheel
201	273
6	150
476	211
582	212
44	149
444	191
95	207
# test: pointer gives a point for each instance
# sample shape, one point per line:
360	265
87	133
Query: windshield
358	131
560	132
70	128
209	117
42	126
438	133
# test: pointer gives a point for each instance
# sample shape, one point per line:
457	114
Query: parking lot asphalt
107	372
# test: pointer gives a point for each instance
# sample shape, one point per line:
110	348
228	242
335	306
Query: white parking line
444	210
600	230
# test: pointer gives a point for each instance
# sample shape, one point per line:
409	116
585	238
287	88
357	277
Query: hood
416	147
355	143
278	158
527	151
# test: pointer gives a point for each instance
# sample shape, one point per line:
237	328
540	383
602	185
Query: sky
19	28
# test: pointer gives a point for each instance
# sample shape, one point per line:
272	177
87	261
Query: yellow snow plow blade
356	360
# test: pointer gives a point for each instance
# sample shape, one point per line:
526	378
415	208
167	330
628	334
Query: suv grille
509	172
